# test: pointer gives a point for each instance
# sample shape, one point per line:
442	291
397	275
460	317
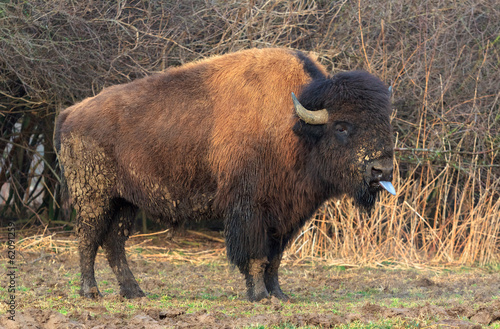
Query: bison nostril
377	173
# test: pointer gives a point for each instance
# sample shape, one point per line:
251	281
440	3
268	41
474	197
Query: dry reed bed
399	230
442	59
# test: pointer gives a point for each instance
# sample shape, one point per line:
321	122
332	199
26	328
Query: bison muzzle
224	138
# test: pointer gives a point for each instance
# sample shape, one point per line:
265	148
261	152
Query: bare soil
189	284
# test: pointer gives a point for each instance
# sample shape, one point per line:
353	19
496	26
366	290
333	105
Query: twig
206	236
42	257
362	38
404	149
149	234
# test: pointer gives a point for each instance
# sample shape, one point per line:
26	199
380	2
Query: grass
357	297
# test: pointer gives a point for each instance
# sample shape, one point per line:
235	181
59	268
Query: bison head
346	121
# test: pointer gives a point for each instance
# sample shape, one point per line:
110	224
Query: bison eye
342	131
342	128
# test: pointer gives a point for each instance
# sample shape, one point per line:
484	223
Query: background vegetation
442	59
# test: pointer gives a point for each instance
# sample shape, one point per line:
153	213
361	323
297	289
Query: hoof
131	293
92	293
280	295
258	297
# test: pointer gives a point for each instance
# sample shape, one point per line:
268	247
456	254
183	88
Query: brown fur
217	138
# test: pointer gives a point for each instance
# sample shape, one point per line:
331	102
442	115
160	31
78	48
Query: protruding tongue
388	186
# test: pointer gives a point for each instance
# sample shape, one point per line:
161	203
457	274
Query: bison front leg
271	278
254	275
114	246
247	247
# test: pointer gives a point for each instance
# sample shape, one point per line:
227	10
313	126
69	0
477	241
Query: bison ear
309	133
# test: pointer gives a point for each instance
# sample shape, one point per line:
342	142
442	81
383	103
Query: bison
224	138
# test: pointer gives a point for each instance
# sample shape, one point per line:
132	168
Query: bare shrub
442	60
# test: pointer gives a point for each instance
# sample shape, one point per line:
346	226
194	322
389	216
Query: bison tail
57	134
63	188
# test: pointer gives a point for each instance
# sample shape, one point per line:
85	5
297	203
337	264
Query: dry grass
192	247
401	230
442	59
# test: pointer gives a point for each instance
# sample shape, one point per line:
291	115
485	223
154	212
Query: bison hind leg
91	224
87	248
114	247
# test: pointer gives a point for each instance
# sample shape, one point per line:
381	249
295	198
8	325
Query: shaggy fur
219	138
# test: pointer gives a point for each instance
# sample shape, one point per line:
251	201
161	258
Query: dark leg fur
254	275
90	232
252	247
87	249
271	278
114	246
246	245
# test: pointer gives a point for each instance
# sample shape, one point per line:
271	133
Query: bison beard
223	138
366	197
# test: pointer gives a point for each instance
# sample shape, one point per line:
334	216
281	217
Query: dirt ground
189	284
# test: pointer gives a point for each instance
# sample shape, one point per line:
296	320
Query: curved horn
311	117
